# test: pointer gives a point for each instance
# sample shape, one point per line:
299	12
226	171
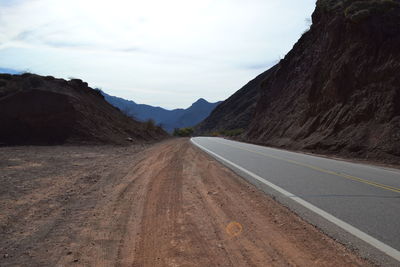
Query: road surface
359	199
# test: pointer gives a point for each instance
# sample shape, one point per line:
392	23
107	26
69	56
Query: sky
156	52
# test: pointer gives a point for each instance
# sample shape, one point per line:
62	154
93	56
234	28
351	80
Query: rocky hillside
45	110
236	112
168	119
338	90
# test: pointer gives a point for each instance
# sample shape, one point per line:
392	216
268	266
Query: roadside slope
237	111
47	111
338	90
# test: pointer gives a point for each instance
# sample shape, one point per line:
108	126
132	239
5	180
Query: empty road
359	199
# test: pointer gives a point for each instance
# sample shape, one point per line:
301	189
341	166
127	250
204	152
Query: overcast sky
166	53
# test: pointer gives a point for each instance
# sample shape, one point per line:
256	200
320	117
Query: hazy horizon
166	54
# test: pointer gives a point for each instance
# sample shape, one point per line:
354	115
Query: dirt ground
164	205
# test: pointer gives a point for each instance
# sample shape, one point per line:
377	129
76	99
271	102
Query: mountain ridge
168	119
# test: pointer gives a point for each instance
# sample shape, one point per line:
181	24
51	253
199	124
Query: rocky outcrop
338	90
45	110
237	111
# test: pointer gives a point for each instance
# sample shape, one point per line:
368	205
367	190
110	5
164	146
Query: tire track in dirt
160	220
169	205
191	199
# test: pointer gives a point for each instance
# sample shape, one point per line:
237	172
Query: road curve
359	199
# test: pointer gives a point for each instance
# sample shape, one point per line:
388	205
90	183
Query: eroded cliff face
237	111
338	89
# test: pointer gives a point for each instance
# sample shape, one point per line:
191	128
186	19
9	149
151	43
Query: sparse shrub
183	132
232	132
215	134
150	124
229	133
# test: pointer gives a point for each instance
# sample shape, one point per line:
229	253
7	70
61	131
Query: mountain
337	91
45	111
9	71
168	119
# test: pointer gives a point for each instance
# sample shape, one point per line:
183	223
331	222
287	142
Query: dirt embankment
338	90
170	205
37	110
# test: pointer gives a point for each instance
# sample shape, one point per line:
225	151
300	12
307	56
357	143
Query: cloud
178	49
8	3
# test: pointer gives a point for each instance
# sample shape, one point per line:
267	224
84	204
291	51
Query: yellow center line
349	177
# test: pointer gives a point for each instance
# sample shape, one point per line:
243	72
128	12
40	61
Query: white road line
345	226
320	157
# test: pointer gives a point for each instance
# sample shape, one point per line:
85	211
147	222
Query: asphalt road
363	200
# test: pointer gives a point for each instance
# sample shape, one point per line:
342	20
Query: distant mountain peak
201	100
169	119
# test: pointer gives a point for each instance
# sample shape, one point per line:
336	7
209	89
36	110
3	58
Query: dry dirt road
164	205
